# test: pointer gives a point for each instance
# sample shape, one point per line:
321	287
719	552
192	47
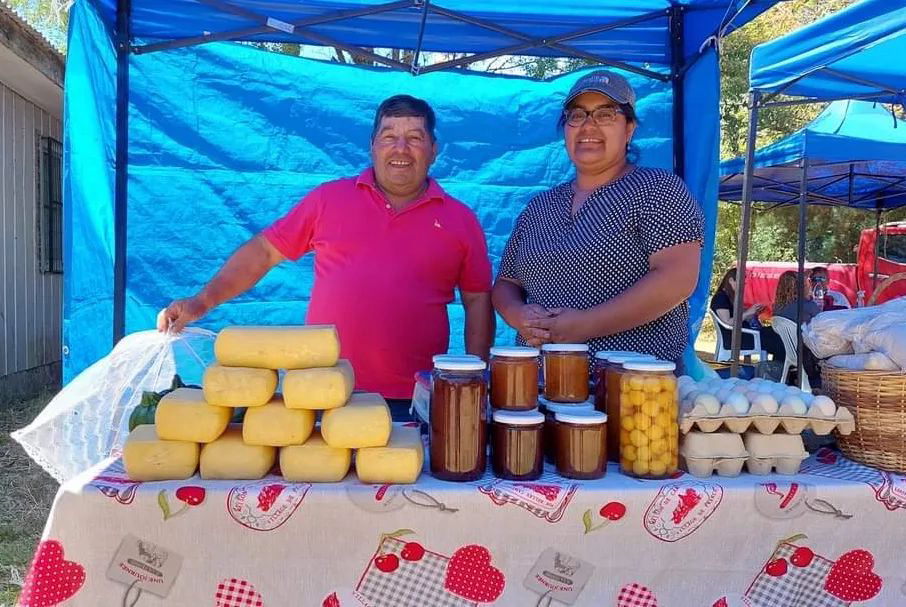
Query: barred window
50	205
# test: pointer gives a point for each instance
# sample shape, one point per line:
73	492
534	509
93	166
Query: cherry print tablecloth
831	536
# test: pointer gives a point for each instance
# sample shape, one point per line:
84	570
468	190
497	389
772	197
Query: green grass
26	494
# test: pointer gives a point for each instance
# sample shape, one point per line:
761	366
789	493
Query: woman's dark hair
725	285
632	152
405	106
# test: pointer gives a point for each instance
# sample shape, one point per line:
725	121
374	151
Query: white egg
684	379
690	395
796	404
807	398
825	405
753	394
765	402
739	403
765	388
708	402
685	389
723	393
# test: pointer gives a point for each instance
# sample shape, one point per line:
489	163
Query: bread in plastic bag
868	361
87	421
842	331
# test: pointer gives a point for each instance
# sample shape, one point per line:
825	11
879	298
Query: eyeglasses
602	116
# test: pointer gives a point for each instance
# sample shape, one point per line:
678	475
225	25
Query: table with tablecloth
831	536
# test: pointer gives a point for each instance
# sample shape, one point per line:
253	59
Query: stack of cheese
192	427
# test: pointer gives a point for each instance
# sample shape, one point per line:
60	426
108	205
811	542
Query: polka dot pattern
471	576
852	579
582	261
51	579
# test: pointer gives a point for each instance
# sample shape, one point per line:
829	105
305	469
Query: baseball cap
607	83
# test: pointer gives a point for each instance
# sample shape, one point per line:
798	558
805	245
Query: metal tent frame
756	102
260	26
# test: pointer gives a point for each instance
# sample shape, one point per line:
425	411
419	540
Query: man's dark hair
404	106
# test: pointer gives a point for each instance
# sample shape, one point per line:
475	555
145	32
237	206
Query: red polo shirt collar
434	191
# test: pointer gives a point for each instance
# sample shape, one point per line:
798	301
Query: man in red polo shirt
390	246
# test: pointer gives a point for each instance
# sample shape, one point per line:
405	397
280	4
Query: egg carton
704	453
785	464
706	466
768	423
781	452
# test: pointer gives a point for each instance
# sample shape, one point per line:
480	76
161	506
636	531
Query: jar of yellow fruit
649	430
612	374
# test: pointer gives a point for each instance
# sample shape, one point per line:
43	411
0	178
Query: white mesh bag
87	421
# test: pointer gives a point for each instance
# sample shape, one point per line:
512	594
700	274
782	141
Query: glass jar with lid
599	379
516	444
550	409
458	415
565	372
611	370
580	444
649	427
514	378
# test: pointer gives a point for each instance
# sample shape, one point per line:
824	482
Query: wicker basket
877	399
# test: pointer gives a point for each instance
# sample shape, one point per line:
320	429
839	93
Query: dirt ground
26	494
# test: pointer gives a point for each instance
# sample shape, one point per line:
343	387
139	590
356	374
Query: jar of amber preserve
458	415
516	444
612	370
565	372
514	378
649	430
580	448
550	409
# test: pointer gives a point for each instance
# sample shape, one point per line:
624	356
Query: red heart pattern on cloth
51	579
233	592
471	576
636	595
851	578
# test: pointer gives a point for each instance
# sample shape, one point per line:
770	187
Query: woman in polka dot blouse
610	257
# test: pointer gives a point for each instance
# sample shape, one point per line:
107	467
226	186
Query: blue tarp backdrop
224	138
855	151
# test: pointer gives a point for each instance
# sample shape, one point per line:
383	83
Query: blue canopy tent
852	54
181	144
856	153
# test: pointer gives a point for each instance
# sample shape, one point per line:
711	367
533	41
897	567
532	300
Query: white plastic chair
839	299
722	354
786	329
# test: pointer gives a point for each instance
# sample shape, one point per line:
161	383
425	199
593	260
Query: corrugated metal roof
7	10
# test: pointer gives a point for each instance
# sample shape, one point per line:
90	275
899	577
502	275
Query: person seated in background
786	296
785	304
819	288
722	304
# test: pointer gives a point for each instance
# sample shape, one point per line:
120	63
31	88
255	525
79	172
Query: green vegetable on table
146	409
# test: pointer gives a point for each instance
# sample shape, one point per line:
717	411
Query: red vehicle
845	278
